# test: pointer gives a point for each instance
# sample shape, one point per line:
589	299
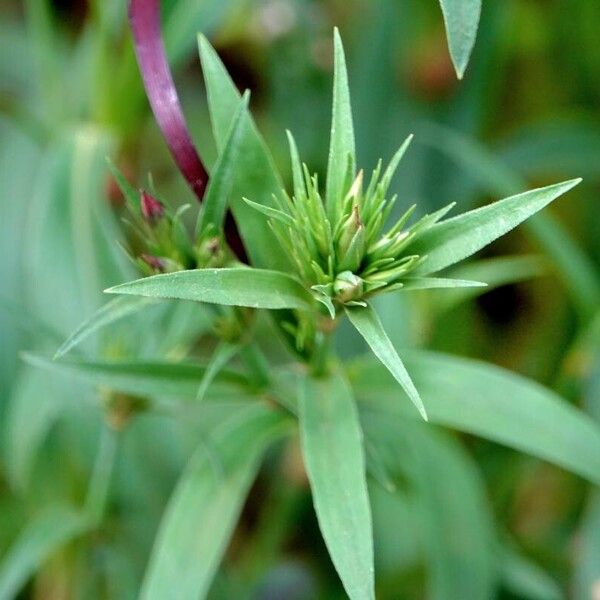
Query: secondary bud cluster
344	253
161	242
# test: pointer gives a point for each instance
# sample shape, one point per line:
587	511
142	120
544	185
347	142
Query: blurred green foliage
524	115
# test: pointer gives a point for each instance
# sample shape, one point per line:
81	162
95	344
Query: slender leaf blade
254	288
220	184
452	240
43	536
435	283
333	452
205	506
112	311
255	176
341	145
461	18
490	402
367	323
144	378
224	352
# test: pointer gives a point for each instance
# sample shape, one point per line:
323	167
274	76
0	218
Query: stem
319	362
97	495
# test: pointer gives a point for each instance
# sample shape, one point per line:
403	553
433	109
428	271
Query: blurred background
525	115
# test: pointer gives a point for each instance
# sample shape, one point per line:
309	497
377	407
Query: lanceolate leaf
153	379
255	175
254	288
112	311
461	18
43	536
221	182
493	403
206	503
368	324
574	267
496	272
458	540
341	148
221	356
452	240
333	452
432	283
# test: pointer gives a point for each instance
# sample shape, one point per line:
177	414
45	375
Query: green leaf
114	310
433	283
42	537
298	178
221	180
254	288
131	195
587	572
461	18
221	356
368	324
153	379
206	503
255	173
341	146
496	272
457	541
524	579
453	240
335	462
575	268
491	402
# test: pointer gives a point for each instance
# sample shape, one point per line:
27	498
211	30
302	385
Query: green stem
319	362
97	494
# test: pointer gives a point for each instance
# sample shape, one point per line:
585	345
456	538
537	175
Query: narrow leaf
368	324
429	283
221	182
205	506
496	272
255	174
333	452
112	311
461	18
341	145
254	288
153	379
525	579
43	536
299	187
493	403
221	356
450	241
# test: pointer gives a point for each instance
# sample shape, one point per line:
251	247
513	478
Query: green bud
348	229
347	286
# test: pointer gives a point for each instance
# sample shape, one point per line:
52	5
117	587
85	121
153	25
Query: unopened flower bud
152	209
348	230
347	286
155	263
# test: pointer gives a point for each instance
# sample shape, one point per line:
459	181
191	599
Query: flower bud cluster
161	241
345	255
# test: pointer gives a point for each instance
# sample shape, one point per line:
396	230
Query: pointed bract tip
152	209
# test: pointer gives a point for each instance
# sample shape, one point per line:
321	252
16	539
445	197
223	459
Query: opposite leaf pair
338	253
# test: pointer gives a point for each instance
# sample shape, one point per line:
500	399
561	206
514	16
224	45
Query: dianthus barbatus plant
315	256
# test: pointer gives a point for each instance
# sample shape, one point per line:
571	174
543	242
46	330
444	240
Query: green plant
338	257
239	383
